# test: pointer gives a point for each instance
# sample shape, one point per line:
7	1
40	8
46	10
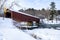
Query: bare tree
1	6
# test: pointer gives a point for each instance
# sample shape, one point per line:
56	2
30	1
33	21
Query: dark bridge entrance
8	15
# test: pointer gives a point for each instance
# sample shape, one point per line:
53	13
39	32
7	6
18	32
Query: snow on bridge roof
25	14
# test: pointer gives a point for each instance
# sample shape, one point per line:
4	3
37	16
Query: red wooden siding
21	17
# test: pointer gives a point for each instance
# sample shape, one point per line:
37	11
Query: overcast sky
37	4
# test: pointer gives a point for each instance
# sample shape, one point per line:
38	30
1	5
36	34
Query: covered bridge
24	19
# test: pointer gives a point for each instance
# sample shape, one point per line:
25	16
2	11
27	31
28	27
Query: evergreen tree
52	10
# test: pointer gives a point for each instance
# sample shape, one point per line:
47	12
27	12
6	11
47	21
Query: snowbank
9	32
6	23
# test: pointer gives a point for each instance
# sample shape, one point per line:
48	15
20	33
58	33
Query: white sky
37	4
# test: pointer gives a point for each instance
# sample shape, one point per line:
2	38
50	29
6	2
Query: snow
9	32
14	34
45	34
6	23
50	21
23	24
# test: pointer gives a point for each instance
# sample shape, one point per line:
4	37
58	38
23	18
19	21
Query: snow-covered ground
45	34
9	32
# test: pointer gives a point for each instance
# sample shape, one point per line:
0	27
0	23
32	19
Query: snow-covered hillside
6	23
9	32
